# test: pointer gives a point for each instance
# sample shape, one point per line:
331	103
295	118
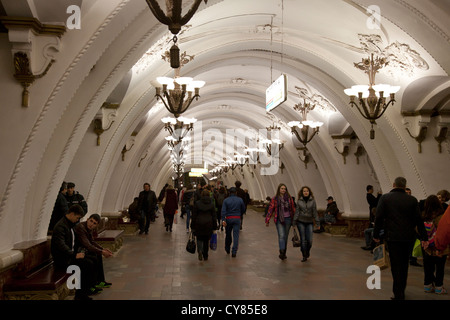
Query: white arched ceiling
238	55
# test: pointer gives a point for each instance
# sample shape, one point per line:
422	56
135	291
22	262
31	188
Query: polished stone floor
157	267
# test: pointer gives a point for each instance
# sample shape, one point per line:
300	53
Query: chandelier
372	98
178	127
308	129
178	141
268	143
174	20
178	93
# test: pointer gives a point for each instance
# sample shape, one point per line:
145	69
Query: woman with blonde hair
304	217
282	209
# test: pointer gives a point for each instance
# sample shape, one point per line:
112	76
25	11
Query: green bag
417	250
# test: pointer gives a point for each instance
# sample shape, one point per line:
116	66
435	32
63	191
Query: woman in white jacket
304	217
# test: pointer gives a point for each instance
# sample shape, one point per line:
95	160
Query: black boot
304	256
282	255
308	249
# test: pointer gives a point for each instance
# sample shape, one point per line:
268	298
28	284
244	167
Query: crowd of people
205	209
396	219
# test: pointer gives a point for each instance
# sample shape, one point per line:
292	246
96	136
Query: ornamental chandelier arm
173	19
158	13
191	11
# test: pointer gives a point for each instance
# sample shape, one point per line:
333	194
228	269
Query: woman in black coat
203	223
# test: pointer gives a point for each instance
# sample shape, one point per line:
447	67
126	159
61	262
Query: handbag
380	256
213	241
417	250
295	239
190	246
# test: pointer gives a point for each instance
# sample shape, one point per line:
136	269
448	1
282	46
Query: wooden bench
46	283
110	239
106	237
356	227
128	227
338	228
35	277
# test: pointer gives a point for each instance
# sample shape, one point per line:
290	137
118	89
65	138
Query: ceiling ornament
156	51
400	57
320	101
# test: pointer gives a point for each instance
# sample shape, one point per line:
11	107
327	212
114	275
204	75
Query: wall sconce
427	119
441	137
358	153
33	47
420	137
343	142
105	119
127	147
303	155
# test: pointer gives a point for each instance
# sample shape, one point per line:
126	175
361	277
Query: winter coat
398	214
62	243
204	218
306	212
171	202
147	201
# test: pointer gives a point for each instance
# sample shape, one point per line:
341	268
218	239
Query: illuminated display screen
276	94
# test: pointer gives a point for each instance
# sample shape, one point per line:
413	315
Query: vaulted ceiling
107	70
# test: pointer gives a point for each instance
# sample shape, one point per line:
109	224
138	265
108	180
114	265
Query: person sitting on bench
94	251
64	252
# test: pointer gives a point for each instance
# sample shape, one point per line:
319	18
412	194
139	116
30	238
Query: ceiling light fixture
305	135
174	20
372	98
178	93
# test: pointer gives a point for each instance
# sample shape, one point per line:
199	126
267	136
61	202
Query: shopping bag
380	256
213	241
190	246
295	239
417	250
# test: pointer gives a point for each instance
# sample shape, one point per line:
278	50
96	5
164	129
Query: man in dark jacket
65	253
244	196
331	212
60	208
398	214
74	197
146	206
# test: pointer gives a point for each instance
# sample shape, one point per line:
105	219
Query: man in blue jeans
233	208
